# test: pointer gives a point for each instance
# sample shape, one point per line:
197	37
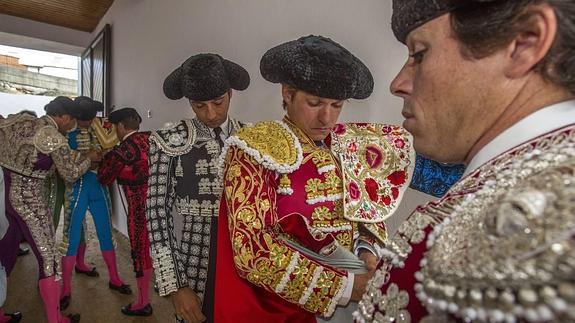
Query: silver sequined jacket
183	187
25	139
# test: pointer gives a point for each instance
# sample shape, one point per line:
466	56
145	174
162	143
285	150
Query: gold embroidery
271	139
259	255
344	239
285	182
107	138
299	282
314	188
234	172
327	284
321	158
332	185
321	213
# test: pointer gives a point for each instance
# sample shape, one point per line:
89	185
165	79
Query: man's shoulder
270	143
236	124
48	138
174	138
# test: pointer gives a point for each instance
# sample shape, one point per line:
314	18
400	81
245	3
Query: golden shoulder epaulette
270	143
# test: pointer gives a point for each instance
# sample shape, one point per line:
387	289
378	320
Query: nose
402	84
211	113
324	115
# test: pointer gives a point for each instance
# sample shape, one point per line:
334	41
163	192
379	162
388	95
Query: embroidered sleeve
69	163
435	178
105	132
170	273
260	255
110	167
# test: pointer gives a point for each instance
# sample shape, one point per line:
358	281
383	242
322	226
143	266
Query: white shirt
534	125
129	134
53	121
225	131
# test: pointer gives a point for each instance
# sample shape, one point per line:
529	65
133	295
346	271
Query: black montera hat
320	66
60	105
85	108
123	114
204	77
410	14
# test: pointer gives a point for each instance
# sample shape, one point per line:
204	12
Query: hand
369	259
94	156
360	285
188	305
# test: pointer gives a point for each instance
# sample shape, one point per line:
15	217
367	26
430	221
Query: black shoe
64	302
74	318
144	311
89	273
124	289
14	317
23	251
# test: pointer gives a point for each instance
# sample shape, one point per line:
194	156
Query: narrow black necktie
319	143
218	132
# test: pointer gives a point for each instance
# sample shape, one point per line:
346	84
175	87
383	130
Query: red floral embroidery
353	190
371	187
397	178
339	129
107	124
386	200
394	192
399	143
352	147
386	130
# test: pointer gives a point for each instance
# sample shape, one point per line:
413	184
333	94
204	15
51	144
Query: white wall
14	103
150	38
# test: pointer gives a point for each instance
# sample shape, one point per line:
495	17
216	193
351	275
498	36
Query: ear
230	94
287	94
536	36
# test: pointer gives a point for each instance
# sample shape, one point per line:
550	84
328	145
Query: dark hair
292	90
131	122
60	106
483	28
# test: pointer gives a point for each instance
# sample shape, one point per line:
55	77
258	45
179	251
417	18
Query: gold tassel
285	182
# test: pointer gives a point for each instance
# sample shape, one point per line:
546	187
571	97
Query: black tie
218	132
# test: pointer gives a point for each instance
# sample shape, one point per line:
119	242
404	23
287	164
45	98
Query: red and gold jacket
281	188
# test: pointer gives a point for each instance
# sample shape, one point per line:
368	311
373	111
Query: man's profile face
447	97
65	123
314	115
121	131
84	123
213	113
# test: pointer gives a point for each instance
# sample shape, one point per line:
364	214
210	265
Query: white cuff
364	245
348	290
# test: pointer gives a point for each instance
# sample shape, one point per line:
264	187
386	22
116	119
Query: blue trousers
89	194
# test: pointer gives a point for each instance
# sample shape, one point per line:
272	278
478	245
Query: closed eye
418	56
